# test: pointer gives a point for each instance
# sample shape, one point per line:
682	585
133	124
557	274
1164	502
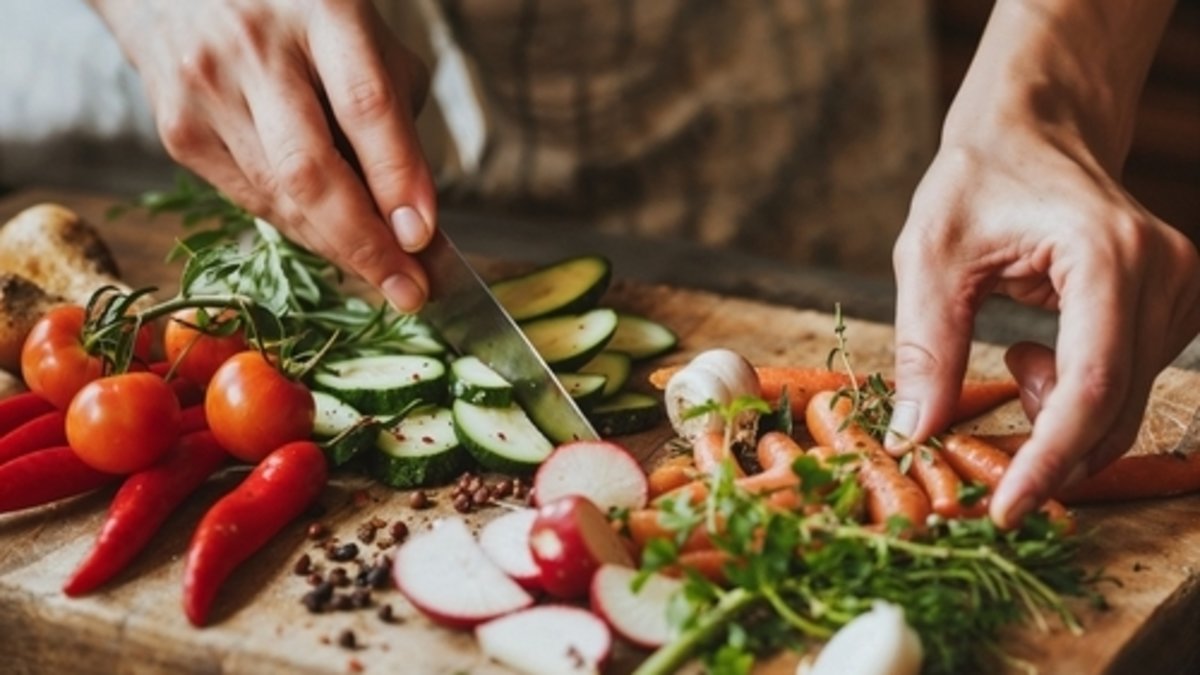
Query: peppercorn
343	603
366	533
386	614
344	553
419	500
347	640
481	496
312	602
303	565
379	577
502	489
318	531
462	504
323	592
338	577
399	531
361	598
315	579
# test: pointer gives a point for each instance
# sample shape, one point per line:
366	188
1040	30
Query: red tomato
123	423
197	354
252	408
53	360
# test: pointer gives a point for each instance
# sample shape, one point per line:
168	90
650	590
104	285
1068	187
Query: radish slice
506	541
445	574
603	472
570	540
547	640
638	616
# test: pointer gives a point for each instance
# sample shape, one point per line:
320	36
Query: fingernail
410	229
403	293
900	429
1012	514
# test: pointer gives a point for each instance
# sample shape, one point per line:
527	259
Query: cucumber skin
391	401
488	398
582	358
614	385
492	461
350	446
582	303
610	420
413	472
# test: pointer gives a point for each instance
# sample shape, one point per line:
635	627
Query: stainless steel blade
464	312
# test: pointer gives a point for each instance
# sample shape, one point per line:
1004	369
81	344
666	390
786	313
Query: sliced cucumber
586	388
345	433
421	450
567	342
501	439
641	338
474	382
615	368
626	413
384	385
567	287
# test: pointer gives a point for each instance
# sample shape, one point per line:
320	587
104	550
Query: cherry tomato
123	423
197	355
252	408
53	360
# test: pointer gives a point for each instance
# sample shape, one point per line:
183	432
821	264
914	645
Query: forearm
1075	68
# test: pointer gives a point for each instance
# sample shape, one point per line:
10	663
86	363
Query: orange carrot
939	481
889	492
1138	477
1009	444
709	564
777	449
644	525
976	460
709	452
980	396
671	473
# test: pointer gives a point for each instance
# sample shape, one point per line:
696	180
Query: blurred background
806	150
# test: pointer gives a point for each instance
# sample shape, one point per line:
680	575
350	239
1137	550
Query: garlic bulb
717	375
878	642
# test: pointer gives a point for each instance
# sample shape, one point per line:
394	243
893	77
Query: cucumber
586	388
641	338
567	342
500	439
567	287
626	413
384	385
472	381
421	450
343	431
615	368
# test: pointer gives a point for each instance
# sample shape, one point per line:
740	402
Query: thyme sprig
872	398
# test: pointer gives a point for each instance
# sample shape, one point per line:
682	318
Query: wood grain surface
1150	549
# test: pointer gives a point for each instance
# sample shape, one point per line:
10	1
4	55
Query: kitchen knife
468	317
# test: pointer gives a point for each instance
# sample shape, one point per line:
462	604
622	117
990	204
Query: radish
638	616
547	640
506	541
445	574
603	472
570	539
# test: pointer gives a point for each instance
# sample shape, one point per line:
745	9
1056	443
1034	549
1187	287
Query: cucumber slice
614	366
567	342
474	382
626	413
641	338
568	287
586	388
384	385
421	450
501	439
345	432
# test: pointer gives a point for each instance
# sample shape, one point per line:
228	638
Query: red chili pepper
276	492
44	431
46	476
193	419
19	409
141	506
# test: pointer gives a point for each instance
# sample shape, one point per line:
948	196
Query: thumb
933	339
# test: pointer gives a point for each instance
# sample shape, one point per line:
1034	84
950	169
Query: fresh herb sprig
872	399
799	576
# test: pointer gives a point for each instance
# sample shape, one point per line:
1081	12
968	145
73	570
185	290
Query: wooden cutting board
1151	549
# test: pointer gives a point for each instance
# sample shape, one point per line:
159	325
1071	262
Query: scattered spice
481	496
502	489
303	565
347	640
355	666
366	532
315	579
419	500
463	504
398	531
361	598
386	614
343	553
379	577
318	531
338	577
343	603
361	498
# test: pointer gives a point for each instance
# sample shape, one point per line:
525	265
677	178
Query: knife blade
463	310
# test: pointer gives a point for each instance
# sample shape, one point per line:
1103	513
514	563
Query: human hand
302	112
1038	220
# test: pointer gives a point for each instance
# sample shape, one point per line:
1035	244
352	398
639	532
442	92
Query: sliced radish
603	472
547	640
641	616
571	538
445	574
506	541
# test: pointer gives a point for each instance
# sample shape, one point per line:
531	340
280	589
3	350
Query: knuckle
181	132
1102	386
198	69
361	255
913	359
369	99
248	28
300	175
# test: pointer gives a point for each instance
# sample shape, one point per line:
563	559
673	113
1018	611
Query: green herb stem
670	657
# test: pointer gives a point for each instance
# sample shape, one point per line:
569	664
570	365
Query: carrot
671	473
976	460
709	452
710	564
802	382
939	481
776	452
777	449
644	525
1009	444
1138	477
889	492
